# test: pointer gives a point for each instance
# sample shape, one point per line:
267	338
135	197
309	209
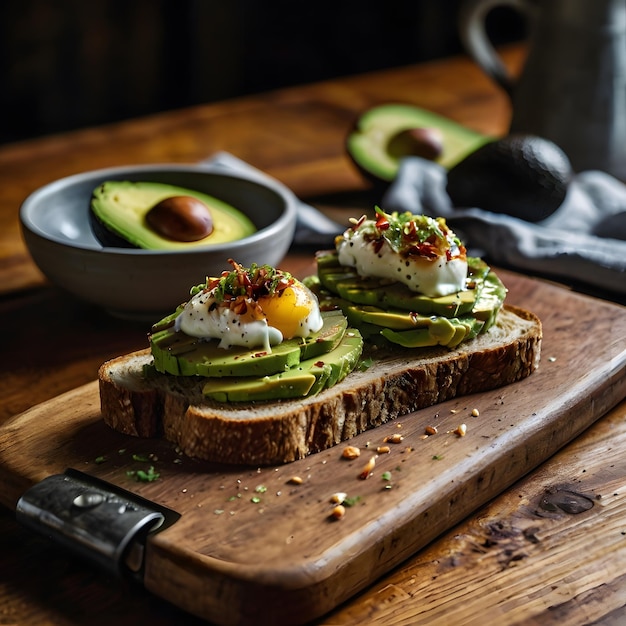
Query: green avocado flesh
121	207
295	368
307	378
387	312
368	144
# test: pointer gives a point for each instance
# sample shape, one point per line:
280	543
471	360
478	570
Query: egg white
431	277
205	318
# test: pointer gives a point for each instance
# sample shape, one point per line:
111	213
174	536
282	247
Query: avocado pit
180	218
426	143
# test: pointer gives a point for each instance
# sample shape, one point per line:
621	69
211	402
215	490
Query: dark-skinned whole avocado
385	134
524	176
158	216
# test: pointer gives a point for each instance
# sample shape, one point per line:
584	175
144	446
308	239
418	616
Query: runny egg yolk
292	312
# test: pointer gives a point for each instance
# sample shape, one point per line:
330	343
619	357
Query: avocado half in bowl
58	229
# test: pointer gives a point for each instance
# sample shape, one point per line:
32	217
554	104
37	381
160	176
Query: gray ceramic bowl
146	284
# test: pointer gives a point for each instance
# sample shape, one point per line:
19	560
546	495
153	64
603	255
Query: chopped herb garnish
351	501
144	476
255	499
100	459
410	234
386	476
437	457
261	489
142	458
241	288
252	282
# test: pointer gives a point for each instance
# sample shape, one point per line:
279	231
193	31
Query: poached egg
255	307
418	251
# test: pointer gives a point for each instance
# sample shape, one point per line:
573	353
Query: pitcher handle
472	16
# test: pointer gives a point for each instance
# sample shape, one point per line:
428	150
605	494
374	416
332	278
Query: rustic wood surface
283	554
539	553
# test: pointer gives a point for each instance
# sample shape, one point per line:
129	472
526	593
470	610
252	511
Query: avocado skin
524	176
368	142
105	235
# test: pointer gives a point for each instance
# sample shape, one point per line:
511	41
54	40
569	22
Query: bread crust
268	433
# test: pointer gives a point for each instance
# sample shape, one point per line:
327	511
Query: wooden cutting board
253	542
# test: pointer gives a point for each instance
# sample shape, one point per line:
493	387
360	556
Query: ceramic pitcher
572	88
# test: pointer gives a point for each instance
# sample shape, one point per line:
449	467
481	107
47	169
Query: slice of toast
397	382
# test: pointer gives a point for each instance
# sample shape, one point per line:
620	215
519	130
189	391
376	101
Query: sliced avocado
119	209
309	377
205	358
176	353
328	338
415	331
294	383
343	359
491	299
439	333
396	320
372	147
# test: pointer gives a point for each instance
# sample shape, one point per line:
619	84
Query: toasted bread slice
397	382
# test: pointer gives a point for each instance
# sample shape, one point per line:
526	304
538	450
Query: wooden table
513	561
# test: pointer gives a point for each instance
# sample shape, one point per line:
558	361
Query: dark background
66	64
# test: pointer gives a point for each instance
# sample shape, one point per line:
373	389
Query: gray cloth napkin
584	240
313	228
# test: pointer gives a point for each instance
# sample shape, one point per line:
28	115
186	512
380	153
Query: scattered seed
295	480
369	467
338	512
395	438
460	430
338	498
475	412
383	449
430	430
351	452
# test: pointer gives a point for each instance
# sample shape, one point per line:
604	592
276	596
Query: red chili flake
382	223
319	364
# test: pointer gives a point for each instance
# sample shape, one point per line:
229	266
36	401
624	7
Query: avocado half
119	208
372	148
